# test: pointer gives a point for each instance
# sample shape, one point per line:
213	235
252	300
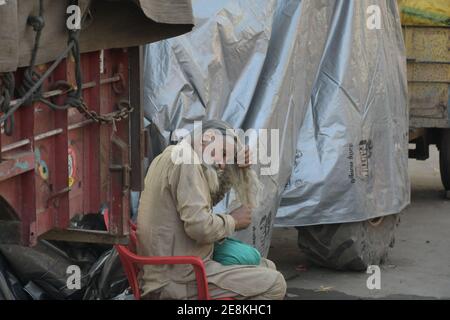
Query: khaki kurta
175	219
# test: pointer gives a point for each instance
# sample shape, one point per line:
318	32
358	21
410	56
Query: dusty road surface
418	266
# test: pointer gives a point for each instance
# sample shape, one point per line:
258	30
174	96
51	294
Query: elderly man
175	218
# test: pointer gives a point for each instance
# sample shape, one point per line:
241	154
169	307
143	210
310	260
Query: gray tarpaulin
335	89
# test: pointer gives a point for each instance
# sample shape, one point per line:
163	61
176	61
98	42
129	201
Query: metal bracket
56	195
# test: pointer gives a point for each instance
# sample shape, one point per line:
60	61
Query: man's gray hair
244	181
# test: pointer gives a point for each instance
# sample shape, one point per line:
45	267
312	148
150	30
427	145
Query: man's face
218	150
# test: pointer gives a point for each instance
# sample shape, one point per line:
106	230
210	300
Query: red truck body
57	163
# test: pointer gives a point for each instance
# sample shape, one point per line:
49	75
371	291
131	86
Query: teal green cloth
232	251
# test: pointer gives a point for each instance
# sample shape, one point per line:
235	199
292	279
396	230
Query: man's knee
266	263
278	290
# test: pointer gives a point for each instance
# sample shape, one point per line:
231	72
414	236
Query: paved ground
418	265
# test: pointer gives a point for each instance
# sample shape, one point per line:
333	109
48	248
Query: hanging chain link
124	110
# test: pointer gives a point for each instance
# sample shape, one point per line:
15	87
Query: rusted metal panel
16	165
137	118
56	163
116	63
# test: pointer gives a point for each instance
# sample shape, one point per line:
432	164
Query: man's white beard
244	181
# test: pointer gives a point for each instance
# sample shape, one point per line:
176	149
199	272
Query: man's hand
247	158
242	217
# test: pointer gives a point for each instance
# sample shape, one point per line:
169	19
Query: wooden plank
89	236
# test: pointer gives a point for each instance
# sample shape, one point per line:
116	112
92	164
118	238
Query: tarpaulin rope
31	77
6	94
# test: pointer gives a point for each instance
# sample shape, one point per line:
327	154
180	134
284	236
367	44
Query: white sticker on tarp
365	152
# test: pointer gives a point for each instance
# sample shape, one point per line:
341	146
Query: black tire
444	158
349	246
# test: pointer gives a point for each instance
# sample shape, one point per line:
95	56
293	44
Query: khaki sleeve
190	191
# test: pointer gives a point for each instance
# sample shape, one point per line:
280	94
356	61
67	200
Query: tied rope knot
36	22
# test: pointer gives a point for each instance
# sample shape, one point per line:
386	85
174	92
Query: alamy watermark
374	280
73	281
214	147
73	21
373	21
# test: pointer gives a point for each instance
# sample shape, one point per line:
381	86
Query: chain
124	110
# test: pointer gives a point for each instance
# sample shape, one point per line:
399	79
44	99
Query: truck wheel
444	158
349	246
